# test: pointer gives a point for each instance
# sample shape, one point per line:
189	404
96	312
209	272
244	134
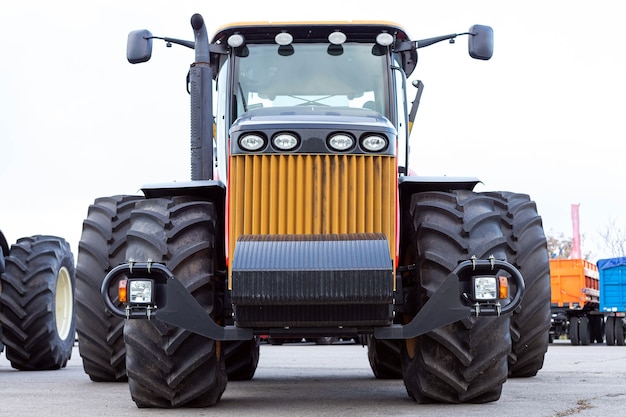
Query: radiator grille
312	194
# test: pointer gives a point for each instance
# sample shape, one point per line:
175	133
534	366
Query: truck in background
588	302
613	298
575	301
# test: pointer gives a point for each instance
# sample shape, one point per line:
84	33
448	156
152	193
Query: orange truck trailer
575	301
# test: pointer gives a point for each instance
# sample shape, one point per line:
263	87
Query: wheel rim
64	305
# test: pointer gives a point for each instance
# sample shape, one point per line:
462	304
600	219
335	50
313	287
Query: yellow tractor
303	219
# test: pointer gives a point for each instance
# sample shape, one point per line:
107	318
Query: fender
209	190
410	184
213	190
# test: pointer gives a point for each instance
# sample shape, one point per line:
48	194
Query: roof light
384	39
337	38
236	40
283	38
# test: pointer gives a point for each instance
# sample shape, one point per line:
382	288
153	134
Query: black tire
384	358
584	331
242	358
528	251
573	331
37	303
102	246
169	367
596	324
610	331
619	331
4	250
465	361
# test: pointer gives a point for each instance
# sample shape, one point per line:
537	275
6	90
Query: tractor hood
313	125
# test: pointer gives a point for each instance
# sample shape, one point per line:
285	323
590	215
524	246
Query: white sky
545	116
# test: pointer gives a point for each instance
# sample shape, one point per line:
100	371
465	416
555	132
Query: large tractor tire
527	249
167	366
384	358
37	303
465	361
102	246
242	358
4	250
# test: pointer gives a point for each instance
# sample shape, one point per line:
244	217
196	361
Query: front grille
312	194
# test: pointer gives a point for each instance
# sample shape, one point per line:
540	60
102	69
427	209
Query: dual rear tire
614	330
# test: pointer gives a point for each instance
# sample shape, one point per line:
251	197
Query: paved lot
311	380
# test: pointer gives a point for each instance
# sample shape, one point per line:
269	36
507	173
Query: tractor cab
325	73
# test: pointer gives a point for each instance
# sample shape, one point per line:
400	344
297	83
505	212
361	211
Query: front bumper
271	305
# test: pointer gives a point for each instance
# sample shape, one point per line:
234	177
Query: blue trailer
613	298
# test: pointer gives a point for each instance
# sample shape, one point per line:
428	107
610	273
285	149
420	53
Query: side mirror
139	46
480	44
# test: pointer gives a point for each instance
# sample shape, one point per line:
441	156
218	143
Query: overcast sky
545	116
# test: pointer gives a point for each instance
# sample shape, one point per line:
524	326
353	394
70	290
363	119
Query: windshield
349	75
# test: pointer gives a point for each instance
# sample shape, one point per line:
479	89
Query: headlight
252	142
374	143
485	288
285	141
341	142
140	291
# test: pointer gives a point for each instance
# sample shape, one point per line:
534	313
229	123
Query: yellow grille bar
312	194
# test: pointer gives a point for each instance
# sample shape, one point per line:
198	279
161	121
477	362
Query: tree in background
559	247
613	239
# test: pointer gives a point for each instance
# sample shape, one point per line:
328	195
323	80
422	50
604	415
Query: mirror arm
170	41
430	41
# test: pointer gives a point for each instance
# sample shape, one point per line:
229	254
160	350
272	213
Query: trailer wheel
596	325
384	358
465	361
619	331
37	303
584	331
102	246
527	250
610	331
573	331
167	366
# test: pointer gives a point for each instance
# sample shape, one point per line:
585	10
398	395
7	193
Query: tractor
304	219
